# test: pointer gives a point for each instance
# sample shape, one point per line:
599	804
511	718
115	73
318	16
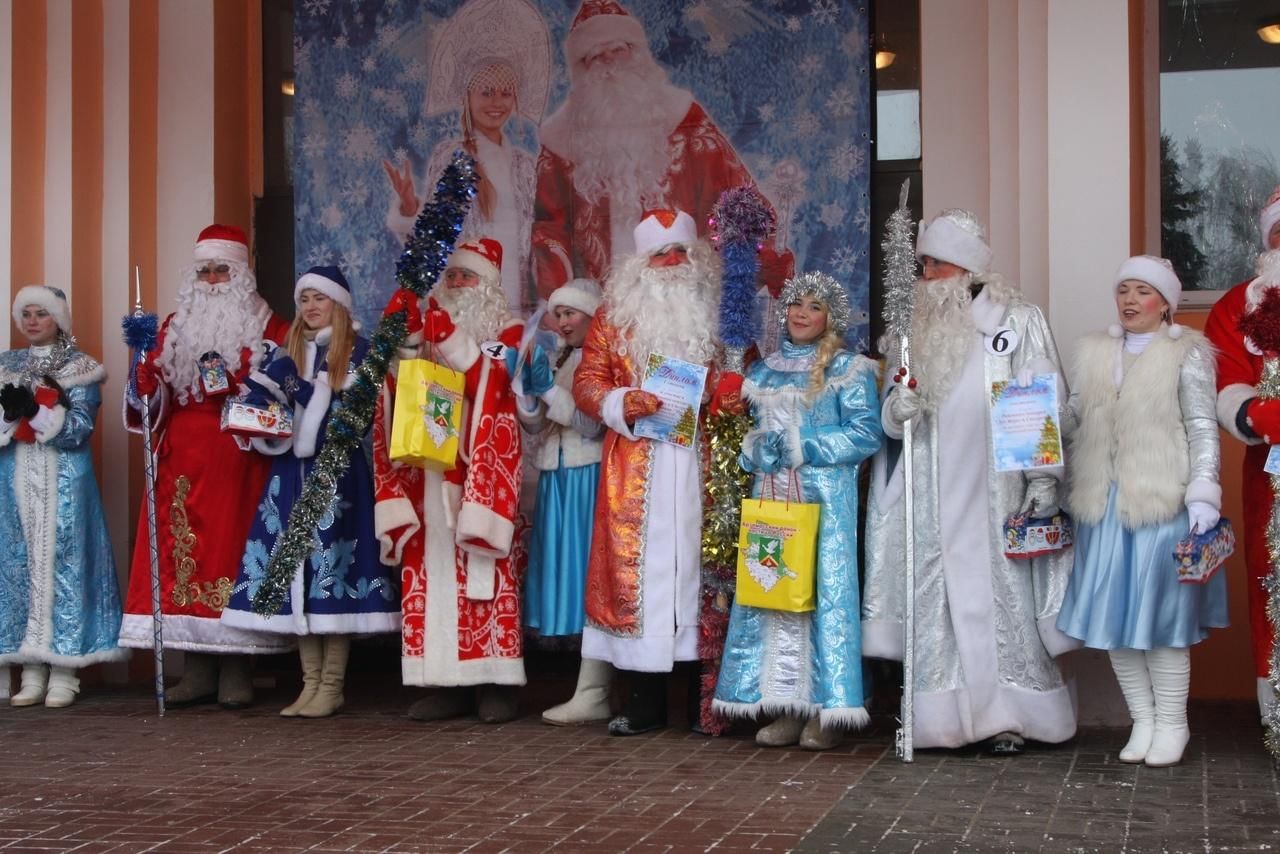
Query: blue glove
538	378
283	372
764	452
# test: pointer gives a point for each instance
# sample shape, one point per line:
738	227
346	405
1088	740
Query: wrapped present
1199	556
246	417
777	554
1027	536
213	374
427	420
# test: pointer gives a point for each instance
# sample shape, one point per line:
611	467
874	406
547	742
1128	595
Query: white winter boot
1130	666
35	677
1170	679
63	687
590	701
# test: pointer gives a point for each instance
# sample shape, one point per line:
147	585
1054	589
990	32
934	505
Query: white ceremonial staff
140	333
899	284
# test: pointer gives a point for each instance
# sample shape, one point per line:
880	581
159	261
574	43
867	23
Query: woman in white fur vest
1143	473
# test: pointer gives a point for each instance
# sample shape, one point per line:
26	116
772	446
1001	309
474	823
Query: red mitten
1263	418
146	379
727	398
438	323
638	404
775	268
405	300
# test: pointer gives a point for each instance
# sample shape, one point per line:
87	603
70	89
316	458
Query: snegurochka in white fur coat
986	632
1143	473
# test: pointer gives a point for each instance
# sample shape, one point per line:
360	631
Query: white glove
904	404
1041	496
1203	516
1024	376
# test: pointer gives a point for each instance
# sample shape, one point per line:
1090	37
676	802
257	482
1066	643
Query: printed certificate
1025	433
679	384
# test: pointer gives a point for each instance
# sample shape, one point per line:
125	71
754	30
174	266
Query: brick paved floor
107	775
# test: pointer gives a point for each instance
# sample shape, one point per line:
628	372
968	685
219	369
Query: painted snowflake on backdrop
360	143
824	12
832	214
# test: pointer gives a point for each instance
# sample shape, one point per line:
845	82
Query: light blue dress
777	662
59	597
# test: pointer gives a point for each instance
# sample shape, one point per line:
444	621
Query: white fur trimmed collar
987	312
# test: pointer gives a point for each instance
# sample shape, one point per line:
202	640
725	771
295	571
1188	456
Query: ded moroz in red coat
206	495
1239	371
454	531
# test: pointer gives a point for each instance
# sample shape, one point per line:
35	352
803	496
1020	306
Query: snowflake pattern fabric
363	70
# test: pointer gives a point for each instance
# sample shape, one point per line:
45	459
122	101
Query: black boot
646	708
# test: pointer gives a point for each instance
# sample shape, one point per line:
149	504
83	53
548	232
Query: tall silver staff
140	331
899	292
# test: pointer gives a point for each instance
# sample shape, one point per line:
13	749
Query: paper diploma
679	385
1025	431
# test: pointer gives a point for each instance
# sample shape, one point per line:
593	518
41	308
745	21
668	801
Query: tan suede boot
815	737
311	652
333	675
590	701
783	732
199	682
63	687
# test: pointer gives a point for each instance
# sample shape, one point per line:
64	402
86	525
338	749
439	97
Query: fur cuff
883	639
47	423
611	412
6	431
481	531
459	350
1207	491
394	516
1230	399
270	385
308	419
795	447
560	405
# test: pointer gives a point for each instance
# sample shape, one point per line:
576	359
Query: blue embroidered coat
342	587
777	662
59	597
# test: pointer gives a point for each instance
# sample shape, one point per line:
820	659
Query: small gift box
213	374
248	418
1200	555
1027	536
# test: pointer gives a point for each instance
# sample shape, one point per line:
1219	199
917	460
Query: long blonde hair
341	340
828	345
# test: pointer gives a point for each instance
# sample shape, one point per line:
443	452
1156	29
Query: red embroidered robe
1238	374
207	492
454	531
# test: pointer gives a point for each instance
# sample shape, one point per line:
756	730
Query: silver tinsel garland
899	250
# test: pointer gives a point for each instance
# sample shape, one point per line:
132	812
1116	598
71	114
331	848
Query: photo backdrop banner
581	113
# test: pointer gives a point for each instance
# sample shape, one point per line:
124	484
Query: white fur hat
51	299
957	237
582	294
1156	272
661	228
1269	216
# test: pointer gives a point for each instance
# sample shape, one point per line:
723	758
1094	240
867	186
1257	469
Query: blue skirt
1124	591
560	543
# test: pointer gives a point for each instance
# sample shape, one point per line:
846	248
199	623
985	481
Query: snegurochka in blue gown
807	666
59	598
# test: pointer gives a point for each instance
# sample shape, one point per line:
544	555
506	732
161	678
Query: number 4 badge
494	349
1002	342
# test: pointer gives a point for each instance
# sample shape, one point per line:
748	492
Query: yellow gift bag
427	418
777	554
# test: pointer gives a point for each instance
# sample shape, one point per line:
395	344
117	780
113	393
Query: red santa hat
582	294
1156	272
222	243
597	23
659	229
482	256
957	237
51	299
1269	216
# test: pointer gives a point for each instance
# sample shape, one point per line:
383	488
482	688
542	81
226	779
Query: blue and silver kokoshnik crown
828	290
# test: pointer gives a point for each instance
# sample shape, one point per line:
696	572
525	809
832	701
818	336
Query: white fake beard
620	131
225	318
942	331
479	312
672	311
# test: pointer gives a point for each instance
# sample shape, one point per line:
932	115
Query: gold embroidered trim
211	594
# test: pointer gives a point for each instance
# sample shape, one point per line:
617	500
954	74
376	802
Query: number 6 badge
1002	342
